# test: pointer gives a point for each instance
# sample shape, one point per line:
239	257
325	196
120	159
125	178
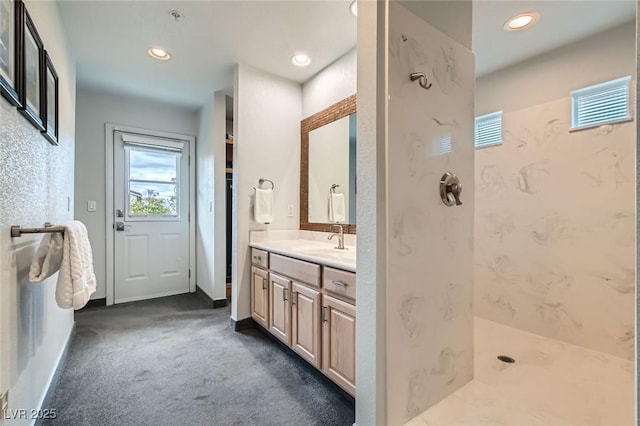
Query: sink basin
349	254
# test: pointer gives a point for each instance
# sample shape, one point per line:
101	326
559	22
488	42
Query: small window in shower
603	103
488	130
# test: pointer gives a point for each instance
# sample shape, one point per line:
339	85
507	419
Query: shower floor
552	383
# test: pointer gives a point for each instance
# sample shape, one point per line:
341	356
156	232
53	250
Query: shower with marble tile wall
555	208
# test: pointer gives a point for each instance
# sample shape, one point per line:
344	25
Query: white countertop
312	251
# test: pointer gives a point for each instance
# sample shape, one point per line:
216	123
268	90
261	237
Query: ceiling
560	23
109	39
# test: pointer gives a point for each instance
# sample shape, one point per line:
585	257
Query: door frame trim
110	128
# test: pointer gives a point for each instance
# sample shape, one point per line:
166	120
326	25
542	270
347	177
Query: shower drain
506	359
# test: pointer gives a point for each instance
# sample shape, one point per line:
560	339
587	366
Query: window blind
600	104
488	130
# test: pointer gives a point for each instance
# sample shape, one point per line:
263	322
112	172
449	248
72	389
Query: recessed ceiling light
300	60
159	53
354	8
521	21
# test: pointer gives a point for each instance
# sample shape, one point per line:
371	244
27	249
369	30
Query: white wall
95	108
334	83
211	198
37	186
266	145
550	76
555	209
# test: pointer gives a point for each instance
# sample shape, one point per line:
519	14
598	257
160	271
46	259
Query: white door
151	217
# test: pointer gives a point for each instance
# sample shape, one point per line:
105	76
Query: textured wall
334	83
371	250
95	108
430	251
266	145
37	186
555	242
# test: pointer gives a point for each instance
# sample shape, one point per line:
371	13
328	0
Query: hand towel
48	258
76	281
263	206
337	211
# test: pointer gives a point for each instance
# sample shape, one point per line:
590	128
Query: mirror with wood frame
328	169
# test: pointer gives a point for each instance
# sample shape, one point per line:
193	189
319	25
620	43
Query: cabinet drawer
260	258
296	269
339	282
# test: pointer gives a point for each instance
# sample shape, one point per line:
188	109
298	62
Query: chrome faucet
340	236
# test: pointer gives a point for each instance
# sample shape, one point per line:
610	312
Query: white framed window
488	130
603	103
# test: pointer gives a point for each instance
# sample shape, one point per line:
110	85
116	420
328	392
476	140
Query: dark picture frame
32	93
11	50
50	89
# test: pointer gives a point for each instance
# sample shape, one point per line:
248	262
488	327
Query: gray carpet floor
173	361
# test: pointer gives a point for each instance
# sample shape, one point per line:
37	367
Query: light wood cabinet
311	309
305	323
339	342
280	307
260	296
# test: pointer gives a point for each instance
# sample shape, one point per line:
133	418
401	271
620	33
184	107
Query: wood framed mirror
327	168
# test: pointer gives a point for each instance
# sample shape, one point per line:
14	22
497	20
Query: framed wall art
50	87
32	95
10	50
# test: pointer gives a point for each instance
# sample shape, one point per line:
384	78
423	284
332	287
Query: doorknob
119	226
450	189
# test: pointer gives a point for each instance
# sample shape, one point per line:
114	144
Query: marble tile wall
555	229
429	347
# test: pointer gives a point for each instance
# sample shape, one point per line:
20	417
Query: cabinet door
260	296
279	307
339	342
305	323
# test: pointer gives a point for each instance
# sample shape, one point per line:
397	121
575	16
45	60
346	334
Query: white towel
263	206
76	281
48	258
337	211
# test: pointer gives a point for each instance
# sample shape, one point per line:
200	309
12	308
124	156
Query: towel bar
17	231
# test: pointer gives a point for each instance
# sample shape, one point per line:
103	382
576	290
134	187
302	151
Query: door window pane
152	182
153	165
153	199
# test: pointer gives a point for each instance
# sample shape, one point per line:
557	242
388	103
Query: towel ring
263	180
333	188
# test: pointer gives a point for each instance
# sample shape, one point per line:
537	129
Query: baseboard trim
95	303
220	303
55	374
205	297
242	324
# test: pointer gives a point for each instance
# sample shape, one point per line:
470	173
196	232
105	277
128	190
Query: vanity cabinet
339	342
280	307
306	335
260	287
310	308
260	296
